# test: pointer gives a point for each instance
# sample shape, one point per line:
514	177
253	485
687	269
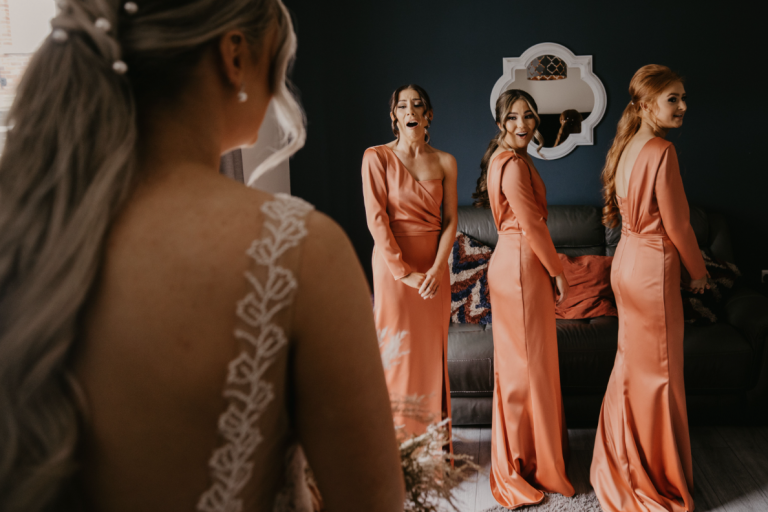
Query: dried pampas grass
431	477
431	473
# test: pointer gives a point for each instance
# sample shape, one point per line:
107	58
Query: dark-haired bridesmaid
642	458
405	185
529	440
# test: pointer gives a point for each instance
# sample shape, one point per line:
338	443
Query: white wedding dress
257	413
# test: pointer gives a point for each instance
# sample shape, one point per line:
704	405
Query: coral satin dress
642	459
529	439
405	221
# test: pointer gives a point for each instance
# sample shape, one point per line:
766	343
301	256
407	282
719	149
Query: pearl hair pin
103	24
119	67
131	7
59	35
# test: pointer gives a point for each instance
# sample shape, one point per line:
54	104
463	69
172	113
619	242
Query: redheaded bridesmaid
529	440
642	458
405	184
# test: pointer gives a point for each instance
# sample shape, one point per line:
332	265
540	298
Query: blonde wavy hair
645	87
67	167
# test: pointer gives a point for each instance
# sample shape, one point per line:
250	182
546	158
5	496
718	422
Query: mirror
571	99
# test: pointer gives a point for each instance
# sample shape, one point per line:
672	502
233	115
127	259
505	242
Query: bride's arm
342	407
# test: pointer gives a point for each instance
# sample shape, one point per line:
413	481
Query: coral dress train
642	458
405	220
529	440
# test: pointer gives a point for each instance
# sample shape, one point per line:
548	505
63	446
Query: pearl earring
242	96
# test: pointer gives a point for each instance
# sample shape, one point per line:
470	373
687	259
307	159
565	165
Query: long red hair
647	84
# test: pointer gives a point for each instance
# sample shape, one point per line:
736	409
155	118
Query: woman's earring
242	96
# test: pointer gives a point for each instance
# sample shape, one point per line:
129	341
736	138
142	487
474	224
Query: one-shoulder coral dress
529	440
405	220
642	458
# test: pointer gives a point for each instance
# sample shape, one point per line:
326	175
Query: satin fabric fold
405	220
642	457
529	442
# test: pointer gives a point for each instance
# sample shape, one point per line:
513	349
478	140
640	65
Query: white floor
730	467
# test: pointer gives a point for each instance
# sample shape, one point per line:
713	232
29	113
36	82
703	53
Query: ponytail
67	169
629	124
570	122
481	192
646	85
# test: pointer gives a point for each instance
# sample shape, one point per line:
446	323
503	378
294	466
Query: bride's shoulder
295	220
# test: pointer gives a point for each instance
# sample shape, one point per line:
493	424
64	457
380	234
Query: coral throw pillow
590	292
707	307
468	263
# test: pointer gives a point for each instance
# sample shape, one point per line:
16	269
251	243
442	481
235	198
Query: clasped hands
426	282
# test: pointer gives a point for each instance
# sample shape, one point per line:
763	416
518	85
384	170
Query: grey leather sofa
726	363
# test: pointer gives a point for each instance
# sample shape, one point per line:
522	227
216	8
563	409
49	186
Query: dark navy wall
353	54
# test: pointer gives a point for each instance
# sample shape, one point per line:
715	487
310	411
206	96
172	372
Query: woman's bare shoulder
446	159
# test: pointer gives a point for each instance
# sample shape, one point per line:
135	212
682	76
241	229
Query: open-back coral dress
529	439
405	221
642	458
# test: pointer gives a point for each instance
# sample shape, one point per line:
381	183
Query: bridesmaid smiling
529	441
642	458
405	185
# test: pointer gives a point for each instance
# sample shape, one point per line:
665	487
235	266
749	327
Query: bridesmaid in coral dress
405	183
529	441
642	458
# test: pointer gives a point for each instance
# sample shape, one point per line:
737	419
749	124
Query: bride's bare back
159	338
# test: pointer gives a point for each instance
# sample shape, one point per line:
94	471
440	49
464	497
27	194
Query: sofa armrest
747	310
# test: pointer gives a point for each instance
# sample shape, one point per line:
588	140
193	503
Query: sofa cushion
587	350
478	223
717	357
470	360
576	230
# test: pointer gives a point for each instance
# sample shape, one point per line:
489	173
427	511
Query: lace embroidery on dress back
248	393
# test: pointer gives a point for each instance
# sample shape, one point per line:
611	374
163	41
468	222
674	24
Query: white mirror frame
583	62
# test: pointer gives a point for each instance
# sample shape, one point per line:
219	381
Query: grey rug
586	502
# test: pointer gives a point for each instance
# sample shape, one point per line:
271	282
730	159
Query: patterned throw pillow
705	308
470	299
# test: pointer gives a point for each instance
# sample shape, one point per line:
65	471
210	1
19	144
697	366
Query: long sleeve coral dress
529	440
405	220
642	458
